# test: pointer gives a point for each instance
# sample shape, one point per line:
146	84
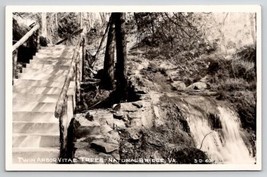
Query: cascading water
224	145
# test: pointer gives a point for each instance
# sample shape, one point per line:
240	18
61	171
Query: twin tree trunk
119	75
108	79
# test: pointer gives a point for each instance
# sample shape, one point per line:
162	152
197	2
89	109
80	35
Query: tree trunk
44	30
56	22
81	20
108	78
120	74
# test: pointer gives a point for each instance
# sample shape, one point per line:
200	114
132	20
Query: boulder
88	116
119	124
102	146
80	145
119	115
136	123
84	128
198	86
178	85
134	115
138	104
116	107
91	138
115	135
134	134
128	107
43	41
105	129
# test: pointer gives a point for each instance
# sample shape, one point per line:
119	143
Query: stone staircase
35	131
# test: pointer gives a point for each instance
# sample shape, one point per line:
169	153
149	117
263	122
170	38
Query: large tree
108	78
117	20
120	72
44	25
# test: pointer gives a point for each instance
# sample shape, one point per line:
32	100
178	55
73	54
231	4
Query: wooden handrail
61	109
18	44
64	91
25	37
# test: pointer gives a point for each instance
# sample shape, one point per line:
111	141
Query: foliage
68	24
172	33
215	48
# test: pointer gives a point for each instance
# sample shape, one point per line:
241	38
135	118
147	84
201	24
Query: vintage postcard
133	88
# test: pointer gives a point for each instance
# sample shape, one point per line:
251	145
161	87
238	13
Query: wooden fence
62	110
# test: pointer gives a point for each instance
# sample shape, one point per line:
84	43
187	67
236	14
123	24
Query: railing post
63	121
83	58
77	80
15	58
37	40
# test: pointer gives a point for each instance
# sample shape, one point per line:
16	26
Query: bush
244	103
67	24
243	69
247	53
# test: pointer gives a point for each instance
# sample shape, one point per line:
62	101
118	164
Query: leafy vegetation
190	42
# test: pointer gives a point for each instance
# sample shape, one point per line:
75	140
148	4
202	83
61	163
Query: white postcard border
110	167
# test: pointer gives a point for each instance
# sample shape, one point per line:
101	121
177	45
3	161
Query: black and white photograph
141	88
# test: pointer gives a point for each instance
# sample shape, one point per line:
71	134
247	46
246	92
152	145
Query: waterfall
224	145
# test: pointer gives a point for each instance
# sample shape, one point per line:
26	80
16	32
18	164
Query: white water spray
222	146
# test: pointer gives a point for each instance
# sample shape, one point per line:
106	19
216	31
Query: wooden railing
19	43
62	112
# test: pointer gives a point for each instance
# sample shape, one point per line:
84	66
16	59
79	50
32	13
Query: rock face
198	86
95	136
102	146
178	85
84	128
147	129
99	131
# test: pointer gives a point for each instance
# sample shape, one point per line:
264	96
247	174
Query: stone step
42	76
51	51
54	47
57	48
38	107
49	71
52	58
21	105
21	83
45	98
58	61
34	117
34	106
46	53
44	66
54	55
34	141
36	128
41	90
35	155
